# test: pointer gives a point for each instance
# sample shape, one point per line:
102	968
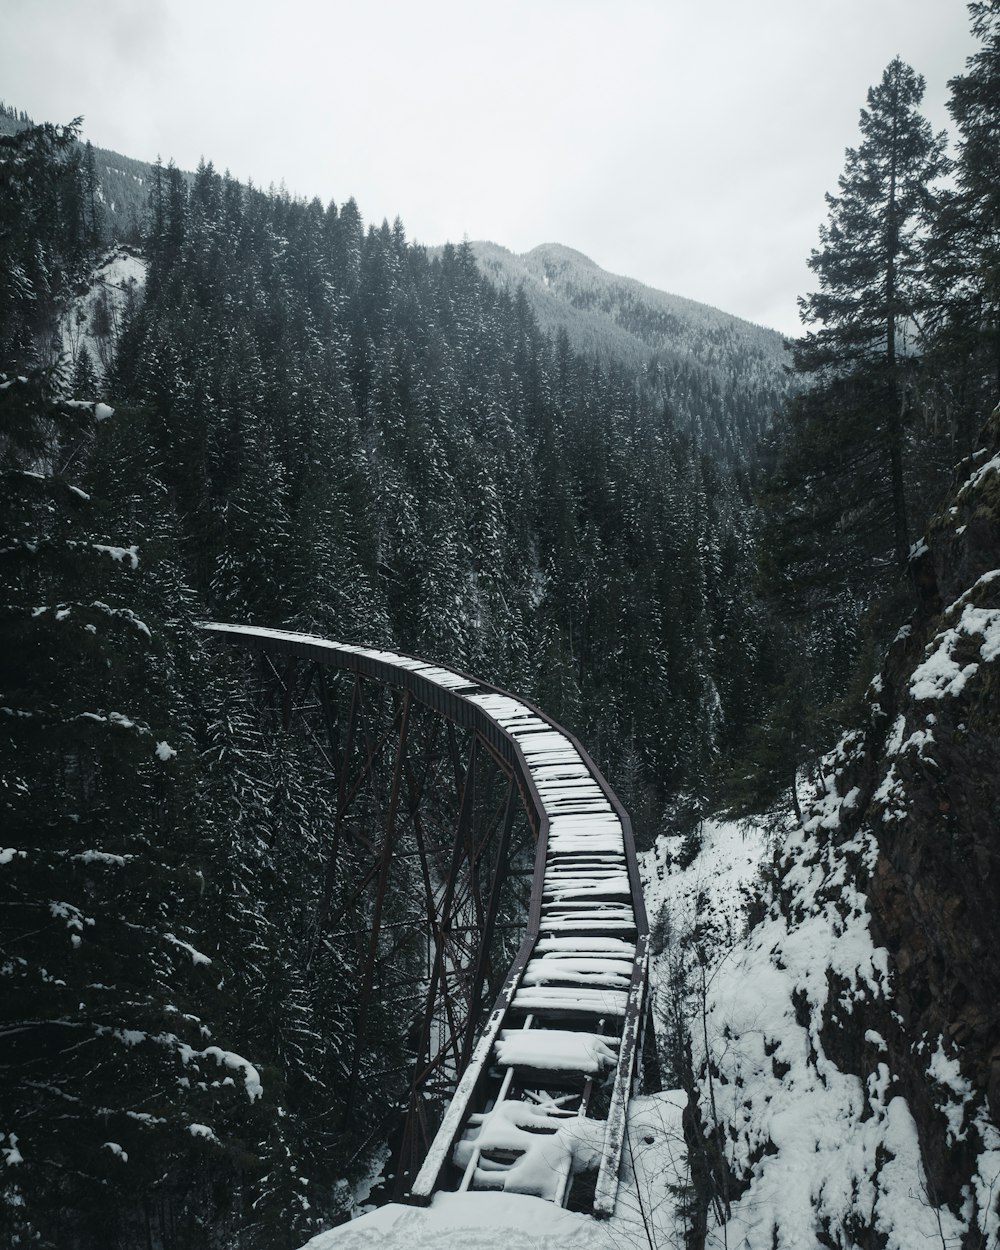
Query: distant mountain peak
560	252
620	319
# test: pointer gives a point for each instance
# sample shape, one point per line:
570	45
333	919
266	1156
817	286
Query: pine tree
92	204
847	464
83	383
873	290
110	1085
39	242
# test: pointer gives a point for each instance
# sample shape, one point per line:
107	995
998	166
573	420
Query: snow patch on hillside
703	895
93	318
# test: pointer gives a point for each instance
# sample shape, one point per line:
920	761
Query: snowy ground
707	900
654	1164
93	318
815	1126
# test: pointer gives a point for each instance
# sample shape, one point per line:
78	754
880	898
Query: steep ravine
850	1067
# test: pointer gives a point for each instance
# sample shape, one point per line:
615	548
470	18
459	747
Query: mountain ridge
124	182
553	249
720	377
648	320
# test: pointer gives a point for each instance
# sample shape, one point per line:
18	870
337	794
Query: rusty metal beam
483	963
437	989
383	880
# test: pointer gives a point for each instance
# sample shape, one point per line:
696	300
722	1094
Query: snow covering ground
823	1149
93	318
654	1164
706	900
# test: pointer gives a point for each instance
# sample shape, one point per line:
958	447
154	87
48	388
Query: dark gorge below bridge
451	794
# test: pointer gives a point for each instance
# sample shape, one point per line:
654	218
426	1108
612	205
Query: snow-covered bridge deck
546	1089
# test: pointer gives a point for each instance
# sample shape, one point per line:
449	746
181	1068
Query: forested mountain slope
628	320
298	421
721	377
622	489
119	184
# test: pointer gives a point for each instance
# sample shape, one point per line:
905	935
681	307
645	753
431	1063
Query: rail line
540	1102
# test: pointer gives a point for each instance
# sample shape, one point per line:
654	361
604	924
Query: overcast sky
681	142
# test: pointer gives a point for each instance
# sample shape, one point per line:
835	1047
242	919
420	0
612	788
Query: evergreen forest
304	421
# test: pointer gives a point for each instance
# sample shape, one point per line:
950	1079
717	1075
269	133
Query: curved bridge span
530	1094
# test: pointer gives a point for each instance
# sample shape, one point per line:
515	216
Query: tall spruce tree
844	472
39	239
873	289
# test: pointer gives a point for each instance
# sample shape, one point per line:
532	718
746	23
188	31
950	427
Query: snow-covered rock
847	1049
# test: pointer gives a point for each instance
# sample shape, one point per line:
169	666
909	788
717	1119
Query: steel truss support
428	818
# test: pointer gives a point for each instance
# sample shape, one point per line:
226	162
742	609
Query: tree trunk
795	795
901	540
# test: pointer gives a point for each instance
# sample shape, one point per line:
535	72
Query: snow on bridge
545	1093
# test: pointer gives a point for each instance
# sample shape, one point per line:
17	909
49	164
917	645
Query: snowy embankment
701	899
820	1146
805	1131
812	1145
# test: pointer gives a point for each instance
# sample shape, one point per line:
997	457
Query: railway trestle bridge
530	1024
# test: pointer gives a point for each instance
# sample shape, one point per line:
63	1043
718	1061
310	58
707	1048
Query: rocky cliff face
850	1061
935	894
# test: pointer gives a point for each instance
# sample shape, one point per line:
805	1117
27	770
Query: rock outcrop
935	894
851	1053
